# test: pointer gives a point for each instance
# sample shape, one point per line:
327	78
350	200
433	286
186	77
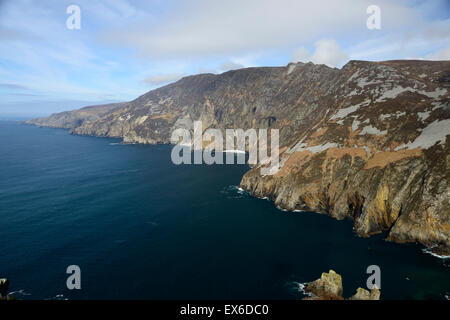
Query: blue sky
125	48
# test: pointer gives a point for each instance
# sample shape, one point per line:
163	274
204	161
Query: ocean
140	227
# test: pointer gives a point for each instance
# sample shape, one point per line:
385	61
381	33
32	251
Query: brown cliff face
381	157
369	141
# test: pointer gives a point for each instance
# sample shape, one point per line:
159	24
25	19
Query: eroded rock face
363	294
369	141
328	287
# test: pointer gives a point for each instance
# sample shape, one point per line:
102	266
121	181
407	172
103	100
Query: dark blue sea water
140	227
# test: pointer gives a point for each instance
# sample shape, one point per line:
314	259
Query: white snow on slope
433	133
300	146
342	113
394	92
372	130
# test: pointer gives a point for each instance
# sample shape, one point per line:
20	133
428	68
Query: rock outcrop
369	142
4	286
363	294
329	287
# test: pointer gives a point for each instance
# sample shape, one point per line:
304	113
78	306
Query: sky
124	48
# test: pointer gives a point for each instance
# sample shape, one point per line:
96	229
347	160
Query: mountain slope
73	119
369	141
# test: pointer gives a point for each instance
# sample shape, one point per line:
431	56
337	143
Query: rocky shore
369	142
329	287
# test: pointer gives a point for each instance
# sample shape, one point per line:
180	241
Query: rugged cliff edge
369	141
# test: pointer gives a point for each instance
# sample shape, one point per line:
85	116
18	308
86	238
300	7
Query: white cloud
168	39
230	65
327	51
443	54
301	55
204	28
162	78
206	70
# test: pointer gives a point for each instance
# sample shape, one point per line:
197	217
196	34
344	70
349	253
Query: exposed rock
363	294
328	287
4	286
375	293
370	141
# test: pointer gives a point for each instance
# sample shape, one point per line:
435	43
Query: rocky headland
369	142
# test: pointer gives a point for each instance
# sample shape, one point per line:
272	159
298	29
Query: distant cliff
74	119
369	142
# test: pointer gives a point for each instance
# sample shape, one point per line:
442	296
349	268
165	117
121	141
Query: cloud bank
127	47
327	52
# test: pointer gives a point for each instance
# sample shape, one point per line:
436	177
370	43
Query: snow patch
372	130
394	92
342	113
314	149
423	115
434	94
322	147
439	105
430	135
389	115
362	82
355	125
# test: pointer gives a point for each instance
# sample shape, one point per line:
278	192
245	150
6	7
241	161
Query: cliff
74	119
369	142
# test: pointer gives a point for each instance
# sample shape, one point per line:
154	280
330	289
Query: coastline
427	248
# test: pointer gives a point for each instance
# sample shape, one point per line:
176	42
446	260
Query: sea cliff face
369	142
